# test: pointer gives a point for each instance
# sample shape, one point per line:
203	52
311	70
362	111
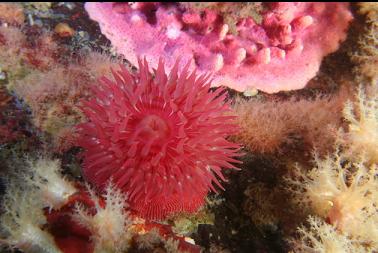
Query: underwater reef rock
50	78
48	212
103	223
53	97
174	130
51	54
14	125
7	125
282	53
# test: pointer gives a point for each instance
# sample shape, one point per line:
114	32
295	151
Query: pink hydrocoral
282	53
161	140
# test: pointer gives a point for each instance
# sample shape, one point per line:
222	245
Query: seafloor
254	213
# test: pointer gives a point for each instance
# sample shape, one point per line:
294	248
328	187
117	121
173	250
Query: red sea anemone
161	139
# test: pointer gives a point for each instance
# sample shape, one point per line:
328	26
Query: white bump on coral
218	62
303	22
173	32
263	56
223	32
241	54
136	18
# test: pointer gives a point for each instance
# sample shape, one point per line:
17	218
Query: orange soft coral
323	238
366	55
344	193
362	134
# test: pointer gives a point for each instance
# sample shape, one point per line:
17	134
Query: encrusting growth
279	50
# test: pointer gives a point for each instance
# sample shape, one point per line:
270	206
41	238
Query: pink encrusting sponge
283	52
161	139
